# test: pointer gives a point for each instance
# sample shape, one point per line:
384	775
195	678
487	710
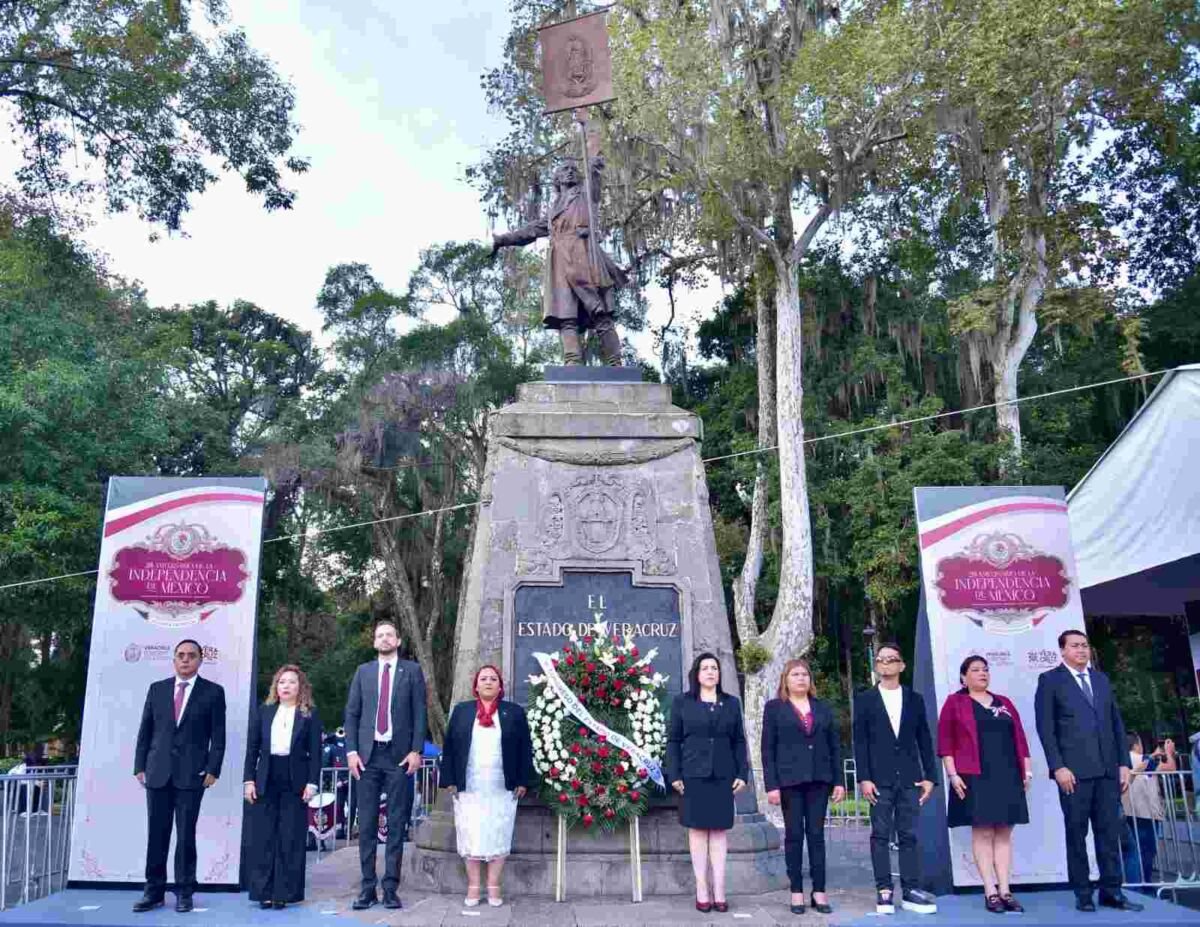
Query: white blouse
281	730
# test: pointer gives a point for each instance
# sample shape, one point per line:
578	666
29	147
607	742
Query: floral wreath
584	778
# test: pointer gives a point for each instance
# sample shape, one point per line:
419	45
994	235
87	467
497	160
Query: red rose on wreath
576	749
576	784
582	801
618	685
633	652
603	677
585	680
583	731
609	813
601	692
563	798
603	739
590	666
635	796
621	660
602	753
615	702
587	820
622	788
600	790
597	767
642	774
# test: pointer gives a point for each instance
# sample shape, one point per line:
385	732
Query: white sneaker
471	902
883	902
918	902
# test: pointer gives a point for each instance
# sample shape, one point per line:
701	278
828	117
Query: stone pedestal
594	507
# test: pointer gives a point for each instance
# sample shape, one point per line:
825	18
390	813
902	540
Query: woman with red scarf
487	765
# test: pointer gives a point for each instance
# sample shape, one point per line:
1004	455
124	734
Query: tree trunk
1008	352
745	587
790	631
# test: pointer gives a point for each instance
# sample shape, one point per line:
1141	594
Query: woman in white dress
487	765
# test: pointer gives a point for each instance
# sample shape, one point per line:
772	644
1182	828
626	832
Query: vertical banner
179	558
999	580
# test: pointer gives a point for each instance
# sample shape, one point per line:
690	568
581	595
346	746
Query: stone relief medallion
597	521
597	514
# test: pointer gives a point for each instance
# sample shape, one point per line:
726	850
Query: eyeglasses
886	660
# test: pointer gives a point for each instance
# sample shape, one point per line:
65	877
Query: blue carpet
1042	909
113	908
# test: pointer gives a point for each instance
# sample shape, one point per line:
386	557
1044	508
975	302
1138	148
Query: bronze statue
579	282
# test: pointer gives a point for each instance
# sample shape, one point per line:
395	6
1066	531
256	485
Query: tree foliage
155	95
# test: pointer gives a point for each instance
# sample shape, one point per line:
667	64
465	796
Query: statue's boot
569	333
610	341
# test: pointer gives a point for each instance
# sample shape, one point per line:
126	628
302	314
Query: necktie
179	700
1087	688
385	692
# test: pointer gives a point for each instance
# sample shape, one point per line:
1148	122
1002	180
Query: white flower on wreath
628	704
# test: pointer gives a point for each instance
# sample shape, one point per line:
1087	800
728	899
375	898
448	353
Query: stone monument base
597	863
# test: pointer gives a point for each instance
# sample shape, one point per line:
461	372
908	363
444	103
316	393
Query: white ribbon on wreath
571	701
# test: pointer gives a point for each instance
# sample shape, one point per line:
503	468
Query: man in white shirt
897	770
385	734
180	748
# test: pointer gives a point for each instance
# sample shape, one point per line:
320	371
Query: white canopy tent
1135	516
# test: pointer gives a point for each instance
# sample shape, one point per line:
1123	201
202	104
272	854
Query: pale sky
391	110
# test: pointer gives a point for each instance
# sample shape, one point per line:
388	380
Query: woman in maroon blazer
986	758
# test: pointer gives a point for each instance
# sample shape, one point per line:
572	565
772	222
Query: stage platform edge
103	908
1042	909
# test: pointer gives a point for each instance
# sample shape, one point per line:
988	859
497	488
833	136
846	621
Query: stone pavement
332	883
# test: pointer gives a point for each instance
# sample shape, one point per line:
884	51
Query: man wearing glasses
180	748
897	771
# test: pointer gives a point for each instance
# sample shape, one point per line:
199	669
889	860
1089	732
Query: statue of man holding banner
580	279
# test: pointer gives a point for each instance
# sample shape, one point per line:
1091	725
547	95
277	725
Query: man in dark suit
1083	738
180	748
897	771
385	733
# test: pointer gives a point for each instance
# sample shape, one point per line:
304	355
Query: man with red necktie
180	748
385	732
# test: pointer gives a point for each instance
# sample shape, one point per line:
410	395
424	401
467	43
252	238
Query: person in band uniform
180	748
280	775
385	734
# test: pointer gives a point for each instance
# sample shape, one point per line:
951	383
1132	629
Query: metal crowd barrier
1160	841
333	811
35	832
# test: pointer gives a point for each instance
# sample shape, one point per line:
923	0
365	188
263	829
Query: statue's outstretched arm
530	231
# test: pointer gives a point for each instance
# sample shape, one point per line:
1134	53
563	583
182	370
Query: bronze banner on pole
576	63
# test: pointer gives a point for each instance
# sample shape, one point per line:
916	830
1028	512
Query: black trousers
278	821
895	813
1097	801
166	806
383	774
804	818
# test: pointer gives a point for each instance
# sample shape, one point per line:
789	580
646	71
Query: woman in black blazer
487	765
802	762
707	765
282	769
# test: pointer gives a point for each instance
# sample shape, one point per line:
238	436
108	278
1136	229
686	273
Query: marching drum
325	813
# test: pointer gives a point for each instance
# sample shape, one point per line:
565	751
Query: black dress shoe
1120	902
1084	903
365	900
278	905
391	899
147	903
183	904
822	907
796	908
265	905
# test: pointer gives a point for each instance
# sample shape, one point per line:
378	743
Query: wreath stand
635	861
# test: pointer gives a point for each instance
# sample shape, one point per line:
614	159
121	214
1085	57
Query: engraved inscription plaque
544	615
